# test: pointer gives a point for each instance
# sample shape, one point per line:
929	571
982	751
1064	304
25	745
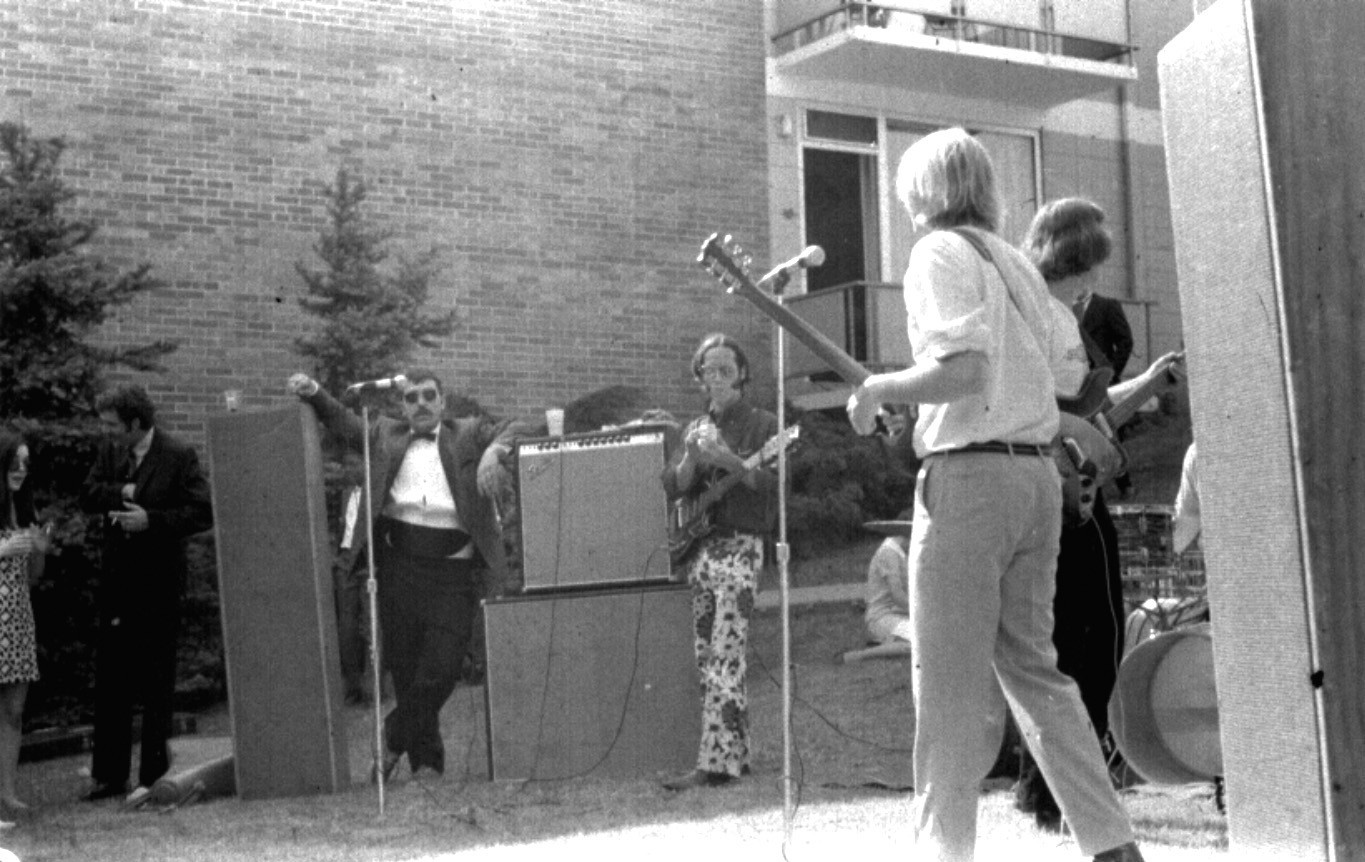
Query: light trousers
983	556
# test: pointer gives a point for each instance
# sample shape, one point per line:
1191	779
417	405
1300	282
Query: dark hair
129	402
720	339
422	375
22	499
1067	237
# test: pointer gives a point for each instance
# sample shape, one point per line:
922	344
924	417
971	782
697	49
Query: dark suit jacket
143	571
1107	326
462	443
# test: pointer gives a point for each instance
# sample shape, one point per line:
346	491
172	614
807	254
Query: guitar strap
975	241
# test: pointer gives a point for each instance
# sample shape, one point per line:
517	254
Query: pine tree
53	292
371	320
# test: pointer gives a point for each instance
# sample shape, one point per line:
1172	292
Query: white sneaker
138	798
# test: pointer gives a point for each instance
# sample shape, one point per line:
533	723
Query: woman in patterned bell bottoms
22	546
724	564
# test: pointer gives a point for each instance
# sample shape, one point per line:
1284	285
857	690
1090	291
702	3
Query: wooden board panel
592	683
279	617
1265	141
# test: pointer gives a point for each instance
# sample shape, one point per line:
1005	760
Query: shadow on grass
851	726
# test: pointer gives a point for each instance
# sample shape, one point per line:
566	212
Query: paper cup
554	420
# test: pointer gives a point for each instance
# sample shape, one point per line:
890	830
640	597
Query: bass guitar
729	264
689	516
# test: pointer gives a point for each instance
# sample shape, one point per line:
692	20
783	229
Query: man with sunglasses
436	539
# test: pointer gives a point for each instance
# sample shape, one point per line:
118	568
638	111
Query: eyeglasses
428	395
724	372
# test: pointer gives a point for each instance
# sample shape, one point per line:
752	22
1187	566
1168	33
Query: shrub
839	481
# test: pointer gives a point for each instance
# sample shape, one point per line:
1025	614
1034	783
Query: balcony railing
867	320
959	28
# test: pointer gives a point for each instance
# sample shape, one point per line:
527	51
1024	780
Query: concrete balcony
921	49
866	319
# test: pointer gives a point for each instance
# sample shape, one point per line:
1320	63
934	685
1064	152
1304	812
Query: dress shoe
698	778
1123	853
390	766
426	771
104	791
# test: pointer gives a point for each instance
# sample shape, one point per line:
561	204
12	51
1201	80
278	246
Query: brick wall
566	157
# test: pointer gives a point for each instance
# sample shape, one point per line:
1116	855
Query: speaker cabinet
279	616
592	683
593	510
1264	114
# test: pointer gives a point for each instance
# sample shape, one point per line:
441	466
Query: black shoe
390	766
105	791
698	778
426	770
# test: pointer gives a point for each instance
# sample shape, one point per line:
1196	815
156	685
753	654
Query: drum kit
1164	712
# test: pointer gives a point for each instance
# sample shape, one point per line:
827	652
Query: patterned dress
18	642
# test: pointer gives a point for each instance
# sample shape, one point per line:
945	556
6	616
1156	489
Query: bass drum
1164	710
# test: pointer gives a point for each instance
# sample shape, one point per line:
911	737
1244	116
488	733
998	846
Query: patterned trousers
724	577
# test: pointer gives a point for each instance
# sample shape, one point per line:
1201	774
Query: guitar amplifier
593	510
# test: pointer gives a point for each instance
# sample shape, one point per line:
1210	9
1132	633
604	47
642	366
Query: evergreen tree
371	320
53	293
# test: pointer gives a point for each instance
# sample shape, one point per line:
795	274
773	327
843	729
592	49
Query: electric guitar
689	516
1083	452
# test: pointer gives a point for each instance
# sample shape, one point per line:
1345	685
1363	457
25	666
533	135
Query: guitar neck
1121	412
830	353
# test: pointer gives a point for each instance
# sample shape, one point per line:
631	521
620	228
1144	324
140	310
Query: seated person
888	586
1186	526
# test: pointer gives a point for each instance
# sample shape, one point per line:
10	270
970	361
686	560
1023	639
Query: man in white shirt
986	338
436	539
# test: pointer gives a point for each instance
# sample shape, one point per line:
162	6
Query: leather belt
997	447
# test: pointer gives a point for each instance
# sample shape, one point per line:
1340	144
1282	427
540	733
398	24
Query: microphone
383	383
810	256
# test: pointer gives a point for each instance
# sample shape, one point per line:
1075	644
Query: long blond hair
947	179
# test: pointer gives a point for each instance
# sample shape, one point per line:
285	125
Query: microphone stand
783	573
372	591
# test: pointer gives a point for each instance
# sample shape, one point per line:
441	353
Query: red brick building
568	158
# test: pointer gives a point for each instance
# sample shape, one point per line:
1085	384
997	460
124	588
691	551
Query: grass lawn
851	731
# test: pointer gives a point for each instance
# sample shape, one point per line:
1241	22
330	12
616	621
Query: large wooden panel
1265	144
592	683
279	618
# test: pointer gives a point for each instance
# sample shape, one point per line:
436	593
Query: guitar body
689	516
688	521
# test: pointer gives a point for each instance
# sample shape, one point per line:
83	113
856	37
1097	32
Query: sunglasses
428	395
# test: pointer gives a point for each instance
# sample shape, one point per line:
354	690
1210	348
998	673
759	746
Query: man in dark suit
1105	326
436	539
148	492
1108	341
